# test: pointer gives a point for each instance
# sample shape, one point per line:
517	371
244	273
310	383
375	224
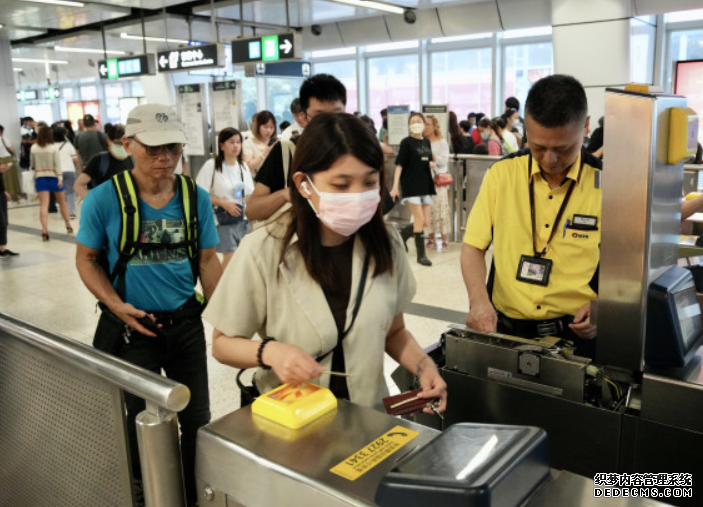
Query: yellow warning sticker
365	459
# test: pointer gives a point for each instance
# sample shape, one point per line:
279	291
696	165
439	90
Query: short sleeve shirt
501	215
160	280
89	144
67	153
414	156
115	166
271	171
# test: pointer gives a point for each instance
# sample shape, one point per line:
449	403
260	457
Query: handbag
222	215
443	180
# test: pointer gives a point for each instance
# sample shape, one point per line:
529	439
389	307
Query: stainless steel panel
494	361
259	463
675	398
62	435
641	220
582	439
573	490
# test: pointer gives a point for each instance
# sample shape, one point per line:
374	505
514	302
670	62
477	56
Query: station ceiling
36	29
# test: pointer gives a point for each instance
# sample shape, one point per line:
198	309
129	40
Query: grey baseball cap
155	125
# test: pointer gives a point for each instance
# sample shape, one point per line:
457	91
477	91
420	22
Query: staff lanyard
229	174
555	226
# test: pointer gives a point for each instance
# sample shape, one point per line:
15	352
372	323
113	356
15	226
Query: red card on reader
405	403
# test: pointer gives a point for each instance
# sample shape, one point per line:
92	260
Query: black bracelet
260	352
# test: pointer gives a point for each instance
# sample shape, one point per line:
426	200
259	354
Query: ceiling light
379	6
17	69
88	50
152	39
39	60
67	3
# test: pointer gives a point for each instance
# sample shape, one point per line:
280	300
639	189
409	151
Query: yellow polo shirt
501	215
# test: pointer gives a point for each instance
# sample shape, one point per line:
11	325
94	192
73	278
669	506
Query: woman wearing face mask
511	137
329	284
257	147
230	184
103	166
413	174
489	137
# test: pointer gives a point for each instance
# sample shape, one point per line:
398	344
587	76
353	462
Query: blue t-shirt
155	280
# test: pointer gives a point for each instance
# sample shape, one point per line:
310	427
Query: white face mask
345	213
417	128
118	151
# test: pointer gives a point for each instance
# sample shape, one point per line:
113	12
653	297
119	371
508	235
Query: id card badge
239	193
534	270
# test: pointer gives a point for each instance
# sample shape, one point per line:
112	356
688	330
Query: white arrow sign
163	61
286	46
103	70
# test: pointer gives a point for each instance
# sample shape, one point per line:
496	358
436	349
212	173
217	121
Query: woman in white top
257	147
441	219
44	159
69	161
512	139
230	184
298	280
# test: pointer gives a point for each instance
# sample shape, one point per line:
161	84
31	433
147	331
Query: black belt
533	328
168	318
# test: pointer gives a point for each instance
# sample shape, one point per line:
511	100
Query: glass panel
249	96
683	45
674	17
462	79
280	92
345	71
392	80
642	52
524	65
89	93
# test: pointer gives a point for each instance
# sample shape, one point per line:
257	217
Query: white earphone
304	186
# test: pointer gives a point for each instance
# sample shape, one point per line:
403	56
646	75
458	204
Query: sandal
69	229
430	244
45	236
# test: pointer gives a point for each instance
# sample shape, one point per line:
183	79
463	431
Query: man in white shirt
296	128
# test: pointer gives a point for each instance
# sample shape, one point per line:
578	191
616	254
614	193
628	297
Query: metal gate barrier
63	439
468	172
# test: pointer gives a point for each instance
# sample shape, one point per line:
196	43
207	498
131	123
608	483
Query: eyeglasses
155	151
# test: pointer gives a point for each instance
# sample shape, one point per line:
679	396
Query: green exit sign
269	48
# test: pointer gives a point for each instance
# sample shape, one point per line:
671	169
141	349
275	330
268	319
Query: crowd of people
309	263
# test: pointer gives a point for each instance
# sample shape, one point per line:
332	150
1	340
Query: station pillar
9	112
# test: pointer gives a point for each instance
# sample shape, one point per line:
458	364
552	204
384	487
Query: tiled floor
42	286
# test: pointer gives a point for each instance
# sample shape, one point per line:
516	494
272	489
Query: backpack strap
126	189
104	163
287	152
189	200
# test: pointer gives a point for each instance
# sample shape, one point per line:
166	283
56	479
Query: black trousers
556	327
3	216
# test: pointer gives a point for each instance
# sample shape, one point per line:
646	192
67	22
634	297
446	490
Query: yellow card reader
295	405
683	134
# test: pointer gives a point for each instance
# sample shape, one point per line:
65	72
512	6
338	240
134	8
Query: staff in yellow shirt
541	209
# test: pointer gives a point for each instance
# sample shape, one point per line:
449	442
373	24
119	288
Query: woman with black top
413	173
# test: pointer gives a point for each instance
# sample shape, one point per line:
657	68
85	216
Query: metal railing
63	437
468	172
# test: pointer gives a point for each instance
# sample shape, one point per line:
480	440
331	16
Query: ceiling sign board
292	69
191	58
268	48
25	95
129	66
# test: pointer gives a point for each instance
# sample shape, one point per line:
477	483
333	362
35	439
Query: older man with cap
150	310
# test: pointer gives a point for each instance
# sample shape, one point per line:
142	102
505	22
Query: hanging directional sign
190	58
51	93
130	66
292	69
24	95
268	48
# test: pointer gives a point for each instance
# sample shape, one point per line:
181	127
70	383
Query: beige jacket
46	161
258	294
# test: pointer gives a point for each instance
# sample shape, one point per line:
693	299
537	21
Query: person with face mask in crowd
328	284
105	165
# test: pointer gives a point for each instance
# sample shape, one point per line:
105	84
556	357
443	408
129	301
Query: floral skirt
441	212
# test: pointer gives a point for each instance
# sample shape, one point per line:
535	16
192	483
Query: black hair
89	120
455	134
479	117
556	101
295	107
416	113
224	136
327	138
323	87
369	121
284	125
116	132
498	122
480	149
384	111
2	129
261	119
470	115
512	103
465	125
107	128
59	132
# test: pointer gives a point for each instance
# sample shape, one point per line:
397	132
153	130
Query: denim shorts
230	236
48	185
418	199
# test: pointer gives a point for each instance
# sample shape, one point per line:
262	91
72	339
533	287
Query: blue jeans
69	178
180	352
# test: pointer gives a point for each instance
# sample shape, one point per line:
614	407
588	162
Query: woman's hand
433	386
395	193
60	184
290	362
433	165
232	208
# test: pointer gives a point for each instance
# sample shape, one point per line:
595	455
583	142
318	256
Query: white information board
226	103
441	112
192	113
398	117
